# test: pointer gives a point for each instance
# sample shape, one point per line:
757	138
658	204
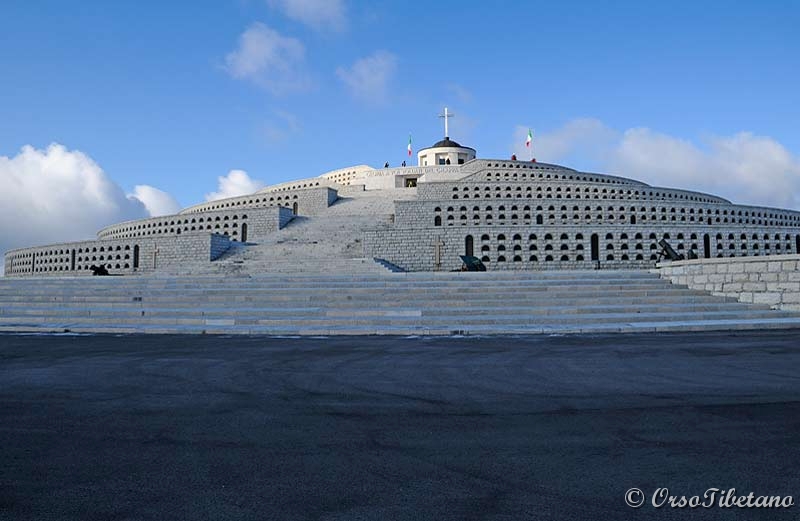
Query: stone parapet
773	280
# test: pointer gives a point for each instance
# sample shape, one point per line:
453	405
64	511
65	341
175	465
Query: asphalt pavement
384	428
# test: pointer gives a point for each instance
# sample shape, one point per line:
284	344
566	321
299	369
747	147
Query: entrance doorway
411	182
468	246
244	232
595	247
706	246
294	208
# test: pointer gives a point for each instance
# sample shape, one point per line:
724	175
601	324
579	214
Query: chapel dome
446	142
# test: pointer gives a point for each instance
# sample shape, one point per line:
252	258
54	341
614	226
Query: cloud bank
59	195
237	182
744	167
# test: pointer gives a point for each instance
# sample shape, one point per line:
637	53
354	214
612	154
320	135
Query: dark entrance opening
539	219
136	257
706	246
72	261
633	219
595	247
244	232
294	208
797	243
468	246
411	182
437	221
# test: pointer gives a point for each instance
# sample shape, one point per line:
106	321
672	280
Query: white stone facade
442	156
514	215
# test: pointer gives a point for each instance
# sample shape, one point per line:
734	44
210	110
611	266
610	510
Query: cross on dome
446	115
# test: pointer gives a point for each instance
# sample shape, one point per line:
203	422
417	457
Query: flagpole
530	149
529	144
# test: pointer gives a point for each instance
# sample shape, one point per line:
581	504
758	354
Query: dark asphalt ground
162	428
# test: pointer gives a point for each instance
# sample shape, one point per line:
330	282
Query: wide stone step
347	293
430	311
391	294
415	320
406	303
489	275
244	286
258	284
428	299
605	327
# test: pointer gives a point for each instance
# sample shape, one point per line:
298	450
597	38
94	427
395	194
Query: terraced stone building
514	215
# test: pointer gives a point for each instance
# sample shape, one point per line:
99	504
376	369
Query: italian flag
529	139
409	145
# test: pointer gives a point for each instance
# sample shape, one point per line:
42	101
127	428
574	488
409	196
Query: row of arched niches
580	246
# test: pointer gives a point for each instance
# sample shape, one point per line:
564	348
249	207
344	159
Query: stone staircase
401	303
329	243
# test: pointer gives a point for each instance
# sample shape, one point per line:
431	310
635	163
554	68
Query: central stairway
327	243
401	303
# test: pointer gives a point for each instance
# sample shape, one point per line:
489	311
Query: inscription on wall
412	170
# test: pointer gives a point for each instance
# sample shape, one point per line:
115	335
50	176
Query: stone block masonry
302	200
260	222
119	256
773	280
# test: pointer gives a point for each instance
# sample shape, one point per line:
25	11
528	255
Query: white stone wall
310	200
260	221
439	155
774	280
119	256
514	239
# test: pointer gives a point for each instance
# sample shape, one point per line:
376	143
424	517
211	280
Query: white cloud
270	60
279	128
368	78
460	93
745	168
319	14
58	195
582	136
237	182
157	202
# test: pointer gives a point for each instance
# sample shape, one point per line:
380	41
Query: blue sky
174	95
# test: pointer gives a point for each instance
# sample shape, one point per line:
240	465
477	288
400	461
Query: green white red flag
409	145
530	139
